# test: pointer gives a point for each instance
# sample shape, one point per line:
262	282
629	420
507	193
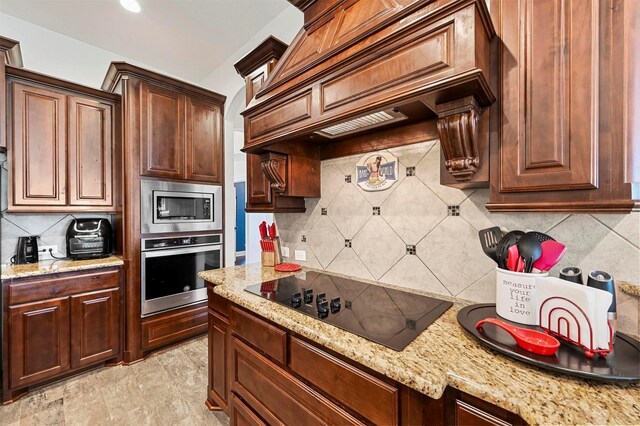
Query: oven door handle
186	250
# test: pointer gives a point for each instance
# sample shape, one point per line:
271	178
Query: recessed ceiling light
131	5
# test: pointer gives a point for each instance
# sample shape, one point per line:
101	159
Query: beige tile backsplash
448	259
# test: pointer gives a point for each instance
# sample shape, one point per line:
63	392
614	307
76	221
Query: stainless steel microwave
179	207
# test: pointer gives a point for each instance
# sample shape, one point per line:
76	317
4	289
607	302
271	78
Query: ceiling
186	38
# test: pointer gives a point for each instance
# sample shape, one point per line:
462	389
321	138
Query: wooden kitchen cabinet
58	324
561	144
61	145
90	152
255	68
180	136
95	327
38	341
161	132
261	373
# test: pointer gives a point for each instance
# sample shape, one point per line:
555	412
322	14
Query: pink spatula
552	252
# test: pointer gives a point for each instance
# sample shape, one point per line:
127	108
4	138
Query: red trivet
288	267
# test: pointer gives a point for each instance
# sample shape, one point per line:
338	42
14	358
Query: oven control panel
187	241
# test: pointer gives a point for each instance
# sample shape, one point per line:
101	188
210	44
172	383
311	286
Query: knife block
268	258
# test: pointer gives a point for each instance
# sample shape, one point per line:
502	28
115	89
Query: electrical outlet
43	252
285	251
301	255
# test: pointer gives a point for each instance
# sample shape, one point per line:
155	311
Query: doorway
241	229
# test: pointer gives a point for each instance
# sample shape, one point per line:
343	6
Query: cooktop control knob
335	305
321	297
308	295
323	309
296	300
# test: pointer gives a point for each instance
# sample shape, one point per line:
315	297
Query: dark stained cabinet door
218	347
161	132
38	341
550	90
204	142
38	146
95	327
258	185
90	152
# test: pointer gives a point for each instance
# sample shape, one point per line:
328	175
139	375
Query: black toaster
89	239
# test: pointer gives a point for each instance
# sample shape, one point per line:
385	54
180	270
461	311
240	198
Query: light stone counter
444	356
47	267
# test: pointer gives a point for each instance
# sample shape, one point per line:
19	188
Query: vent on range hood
353	57
363	123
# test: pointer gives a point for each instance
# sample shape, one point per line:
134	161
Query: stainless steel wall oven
169	268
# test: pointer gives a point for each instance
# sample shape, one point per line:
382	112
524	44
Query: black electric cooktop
390	317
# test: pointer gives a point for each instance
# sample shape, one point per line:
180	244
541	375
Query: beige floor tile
168	388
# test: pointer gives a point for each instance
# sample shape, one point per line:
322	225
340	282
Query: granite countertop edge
444	355
49	267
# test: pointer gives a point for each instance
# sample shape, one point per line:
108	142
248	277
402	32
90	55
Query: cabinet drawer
241	415
34	289
375	399
170	327
264	336
276	395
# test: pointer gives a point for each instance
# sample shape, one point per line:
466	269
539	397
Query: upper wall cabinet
60	146
562	144
181	137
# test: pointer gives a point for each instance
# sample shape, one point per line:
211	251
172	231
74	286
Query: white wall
58	55
226	81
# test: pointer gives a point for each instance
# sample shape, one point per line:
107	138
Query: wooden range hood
423	65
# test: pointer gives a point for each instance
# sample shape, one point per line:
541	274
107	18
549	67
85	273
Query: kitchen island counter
48	267
444	355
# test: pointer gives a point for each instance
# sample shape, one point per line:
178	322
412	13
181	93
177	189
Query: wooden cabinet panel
165	328
204	149
161	132
218	346
38	341
95	327
276	395
375	399
468	415
550	90
258	186
90	150
38	146
241	415
264	336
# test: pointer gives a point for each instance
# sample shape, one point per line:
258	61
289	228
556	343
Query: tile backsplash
51	227
440	224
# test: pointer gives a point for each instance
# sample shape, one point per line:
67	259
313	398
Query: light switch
285	251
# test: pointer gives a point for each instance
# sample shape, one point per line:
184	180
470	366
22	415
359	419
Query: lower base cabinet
262	374
58	324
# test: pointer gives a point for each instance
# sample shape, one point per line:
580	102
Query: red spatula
552	252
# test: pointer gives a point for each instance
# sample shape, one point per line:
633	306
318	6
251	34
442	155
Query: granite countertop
444	356
47	267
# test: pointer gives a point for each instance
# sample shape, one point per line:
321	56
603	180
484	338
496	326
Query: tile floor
168	388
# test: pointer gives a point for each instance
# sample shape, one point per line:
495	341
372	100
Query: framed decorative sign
377	171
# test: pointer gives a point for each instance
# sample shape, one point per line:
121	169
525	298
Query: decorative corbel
274	167
458	130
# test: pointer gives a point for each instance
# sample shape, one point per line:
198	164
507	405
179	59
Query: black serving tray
621	365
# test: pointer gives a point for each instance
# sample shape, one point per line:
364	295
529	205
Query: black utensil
530	250
489	241
542	237
502	251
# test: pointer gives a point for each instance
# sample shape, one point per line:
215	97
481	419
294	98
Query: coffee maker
27	251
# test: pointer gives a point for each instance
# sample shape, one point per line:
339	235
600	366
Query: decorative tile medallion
377	171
